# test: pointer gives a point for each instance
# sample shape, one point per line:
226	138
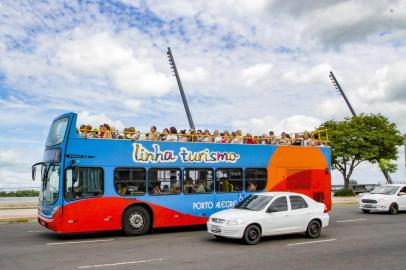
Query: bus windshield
50	184
57	132
254	202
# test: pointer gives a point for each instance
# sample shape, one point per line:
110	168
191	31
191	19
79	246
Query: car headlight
234	222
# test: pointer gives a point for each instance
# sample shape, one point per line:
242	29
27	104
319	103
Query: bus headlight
54	210
234	222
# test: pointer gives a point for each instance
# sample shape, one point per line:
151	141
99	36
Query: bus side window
255	179
129	181
229	180
163	181
90	183
197	181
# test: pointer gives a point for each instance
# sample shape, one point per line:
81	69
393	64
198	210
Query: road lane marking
311	242
351	220
120	263
79	242
35	231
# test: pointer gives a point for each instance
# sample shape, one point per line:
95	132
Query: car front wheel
252	235
393	209
313	229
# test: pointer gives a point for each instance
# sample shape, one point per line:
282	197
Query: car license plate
215	229
368	206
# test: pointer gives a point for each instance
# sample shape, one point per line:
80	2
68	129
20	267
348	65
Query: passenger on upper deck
238	137
297	140
226	137
89	132
173	135
192	135
152	135
82	131
163	134
216	137
250	139
104	132
183	136
206	136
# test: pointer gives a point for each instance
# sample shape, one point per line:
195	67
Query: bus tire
136	221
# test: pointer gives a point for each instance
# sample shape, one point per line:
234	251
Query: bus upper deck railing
314	138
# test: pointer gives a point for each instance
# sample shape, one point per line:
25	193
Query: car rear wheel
252	235
136	221
366	211
393	209
313	229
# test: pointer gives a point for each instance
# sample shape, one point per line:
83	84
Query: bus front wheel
136	221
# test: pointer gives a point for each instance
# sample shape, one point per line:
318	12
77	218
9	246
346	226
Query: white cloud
103	55
97	119
316	75
195	75
295	123
256	74
9	157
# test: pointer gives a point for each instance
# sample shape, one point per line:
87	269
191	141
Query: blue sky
255	65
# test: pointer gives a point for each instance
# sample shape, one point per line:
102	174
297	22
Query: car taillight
325	209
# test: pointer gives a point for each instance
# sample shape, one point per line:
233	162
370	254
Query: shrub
345	192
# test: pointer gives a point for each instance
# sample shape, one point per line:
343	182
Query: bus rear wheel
136	221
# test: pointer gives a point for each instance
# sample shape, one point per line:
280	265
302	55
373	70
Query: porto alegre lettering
156	155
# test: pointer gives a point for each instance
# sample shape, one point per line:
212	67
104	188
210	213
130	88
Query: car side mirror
402	194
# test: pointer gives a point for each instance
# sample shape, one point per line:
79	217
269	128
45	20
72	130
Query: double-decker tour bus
93	185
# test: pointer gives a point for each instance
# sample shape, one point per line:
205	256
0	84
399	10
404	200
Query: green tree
366	137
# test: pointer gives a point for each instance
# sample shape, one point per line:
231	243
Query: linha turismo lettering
142	155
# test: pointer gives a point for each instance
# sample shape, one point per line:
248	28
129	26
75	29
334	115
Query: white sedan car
387	198
269	213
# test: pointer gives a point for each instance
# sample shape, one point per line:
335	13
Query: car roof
275	193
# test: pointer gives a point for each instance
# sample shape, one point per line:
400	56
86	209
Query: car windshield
50	184
387	190
254	202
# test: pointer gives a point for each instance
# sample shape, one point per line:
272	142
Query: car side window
278	205
297	202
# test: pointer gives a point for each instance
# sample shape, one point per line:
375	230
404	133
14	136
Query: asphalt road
352	241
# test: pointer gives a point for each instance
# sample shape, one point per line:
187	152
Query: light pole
182	93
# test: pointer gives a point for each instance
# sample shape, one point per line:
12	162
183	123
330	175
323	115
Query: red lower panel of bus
101	214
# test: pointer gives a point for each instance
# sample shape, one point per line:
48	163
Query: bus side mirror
36	168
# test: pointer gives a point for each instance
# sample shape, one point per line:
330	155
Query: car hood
234	213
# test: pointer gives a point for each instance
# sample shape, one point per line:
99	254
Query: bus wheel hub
136	221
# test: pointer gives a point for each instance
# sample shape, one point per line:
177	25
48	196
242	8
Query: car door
401	198
300	213
277	219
